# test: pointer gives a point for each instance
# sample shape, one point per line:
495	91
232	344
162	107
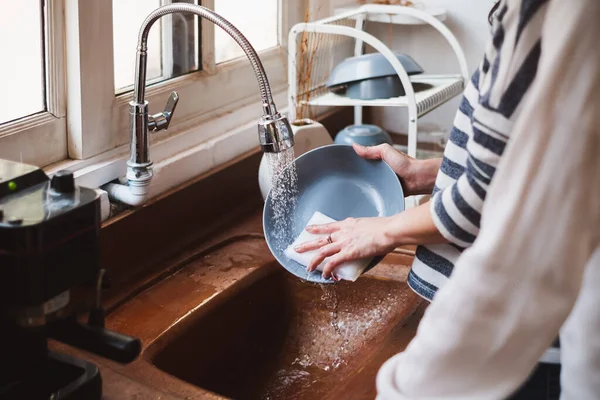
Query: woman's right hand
416	176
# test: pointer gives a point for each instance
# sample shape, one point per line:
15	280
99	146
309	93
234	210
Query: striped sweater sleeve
508	68
511	291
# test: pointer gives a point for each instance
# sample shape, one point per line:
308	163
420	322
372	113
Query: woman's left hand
350	239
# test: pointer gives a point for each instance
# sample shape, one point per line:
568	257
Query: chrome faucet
274	131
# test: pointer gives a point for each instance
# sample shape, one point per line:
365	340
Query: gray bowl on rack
371	76
365	135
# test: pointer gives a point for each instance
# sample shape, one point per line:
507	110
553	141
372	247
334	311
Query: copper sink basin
269	335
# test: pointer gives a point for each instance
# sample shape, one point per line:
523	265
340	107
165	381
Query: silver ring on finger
329	239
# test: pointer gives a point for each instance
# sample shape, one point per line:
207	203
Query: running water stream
284	192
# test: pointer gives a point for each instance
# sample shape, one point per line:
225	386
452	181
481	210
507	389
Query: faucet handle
160	121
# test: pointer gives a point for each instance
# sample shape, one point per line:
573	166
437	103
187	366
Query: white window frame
80	79
210	128
98	121
40	138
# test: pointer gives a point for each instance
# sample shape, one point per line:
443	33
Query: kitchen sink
266	334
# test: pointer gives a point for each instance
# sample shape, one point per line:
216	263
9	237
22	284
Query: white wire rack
315	48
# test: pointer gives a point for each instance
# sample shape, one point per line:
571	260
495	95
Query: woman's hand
356	238
416	176
351	239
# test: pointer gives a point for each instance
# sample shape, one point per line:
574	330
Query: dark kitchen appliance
50	280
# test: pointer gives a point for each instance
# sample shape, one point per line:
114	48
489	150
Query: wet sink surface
282	338
269	335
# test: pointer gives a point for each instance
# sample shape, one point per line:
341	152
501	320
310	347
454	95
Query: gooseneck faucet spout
274	131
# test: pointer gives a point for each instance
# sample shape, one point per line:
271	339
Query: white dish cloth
349	271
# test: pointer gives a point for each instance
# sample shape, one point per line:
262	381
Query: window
79	55
32	105
218	80
173	42
22	75
257	20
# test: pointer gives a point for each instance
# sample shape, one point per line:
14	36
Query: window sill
180	158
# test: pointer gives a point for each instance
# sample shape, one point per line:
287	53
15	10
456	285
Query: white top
514	288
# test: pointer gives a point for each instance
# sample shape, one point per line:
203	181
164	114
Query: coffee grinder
50	284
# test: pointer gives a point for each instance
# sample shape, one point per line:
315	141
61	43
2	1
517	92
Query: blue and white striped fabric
482	126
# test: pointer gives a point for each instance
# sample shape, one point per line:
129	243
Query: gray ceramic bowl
337	182
385	87
366	135
377	88
369	66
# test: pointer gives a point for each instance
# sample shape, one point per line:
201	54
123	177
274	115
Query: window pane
257	20
173	42
22	66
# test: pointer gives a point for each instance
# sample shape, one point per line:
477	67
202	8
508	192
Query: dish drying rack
327	42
